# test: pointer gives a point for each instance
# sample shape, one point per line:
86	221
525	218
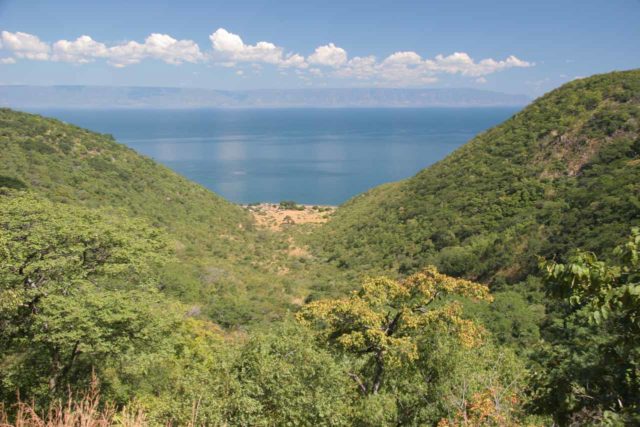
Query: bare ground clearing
276	218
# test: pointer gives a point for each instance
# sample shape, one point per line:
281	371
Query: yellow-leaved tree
384	320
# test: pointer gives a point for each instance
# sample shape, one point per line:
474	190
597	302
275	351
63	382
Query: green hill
91	298
73	165
224	266
564	172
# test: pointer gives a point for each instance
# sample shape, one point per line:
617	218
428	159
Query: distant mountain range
165	97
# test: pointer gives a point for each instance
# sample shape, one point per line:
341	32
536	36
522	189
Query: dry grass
275	218
85	411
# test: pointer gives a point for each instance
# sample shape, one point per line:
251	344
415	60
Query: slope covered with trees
118	275
223	266
76	166
563	172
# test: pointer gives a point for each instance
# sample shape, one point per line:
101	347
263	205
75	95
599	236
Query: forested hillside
499	287
76	166
223	266
563	172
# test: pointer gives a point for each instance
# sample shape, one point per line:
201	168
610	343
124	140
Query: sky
520	47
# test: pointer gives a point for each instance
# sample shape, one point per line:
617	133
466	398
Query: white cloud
358	67
84	49
157	46
229	48
172	51
329	55
126	54
403	58
398	69
461	63
25	45
232	47
408	68
402	68
294	60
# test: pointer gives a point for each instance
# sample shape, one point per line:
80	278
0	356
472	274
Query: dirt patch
275	218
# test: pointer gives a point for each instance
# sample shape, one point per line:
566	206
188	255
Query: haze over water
313	156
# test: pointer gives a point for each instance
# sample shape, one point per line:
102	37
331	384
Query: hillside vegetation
563	172
225	267
76	166
510	294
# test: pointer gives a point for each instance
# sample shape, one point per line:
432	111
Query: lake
312	156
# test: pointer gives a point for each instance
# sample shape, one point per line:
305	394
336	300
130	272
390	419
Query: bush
291	205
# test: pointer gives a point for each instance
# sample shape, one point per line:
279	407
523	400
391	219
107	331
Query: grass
84	411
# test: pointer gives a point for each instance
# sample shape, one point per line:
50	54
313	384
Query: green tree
76	293
591	368
288	380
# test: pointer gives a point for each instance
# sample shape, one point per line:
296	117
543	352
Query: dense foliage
224	267
590	366
563	172
79	299
114	270
76	295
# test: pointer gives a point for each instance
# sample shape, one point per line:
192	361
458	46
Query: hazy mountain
162	97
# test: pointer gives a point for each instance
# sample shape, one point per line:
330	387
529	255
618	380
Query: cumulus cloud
126	54
230	48
359	67
172	51
24	45
157	46
461	63
328	55
408	68
403	58
402	68
82	50
294	60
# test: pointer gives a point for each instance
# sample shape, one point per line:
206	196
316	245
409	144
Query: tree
590	371
384	320
48	248
288	380
600	288
76	291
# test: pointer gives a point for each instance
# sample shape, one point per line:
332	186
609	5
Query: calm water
316	156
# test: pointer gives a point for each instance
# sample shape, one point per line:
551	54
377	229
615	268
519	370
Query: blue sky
511	46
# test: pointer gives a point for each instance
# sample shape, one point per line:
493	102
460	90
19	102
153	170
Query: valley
504	277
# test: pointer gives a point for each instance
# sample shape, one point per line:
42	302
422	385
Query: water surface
315	156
